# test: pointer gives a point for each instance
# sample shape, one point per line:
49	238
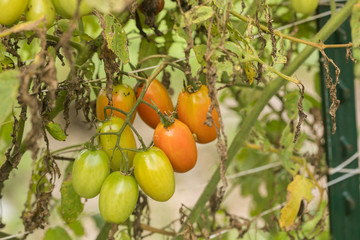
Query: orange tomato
178	144
156	93
192	109
123	98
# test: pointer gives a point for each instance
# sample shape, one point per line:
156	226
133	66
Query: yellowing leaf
250	71
299	189
116	38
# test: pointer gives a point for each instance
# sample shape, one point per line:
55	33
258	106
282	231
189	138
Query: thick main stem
273	87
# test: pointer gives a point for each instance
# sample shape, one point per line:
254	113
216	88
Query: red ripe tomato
192	109
158	94
154	174
123	98
118	197
178	144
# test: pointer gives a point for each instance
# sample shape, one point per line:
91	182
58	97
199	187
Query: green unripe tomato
118	197
59	9
108	142
69	6
304	6
37	9
90	169
11	10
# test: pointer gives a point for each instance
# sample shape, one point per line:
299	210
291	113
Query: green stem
333	7
75	45
273	87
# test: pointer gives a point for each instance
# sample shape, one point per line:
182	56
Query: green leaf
9	84
56	233
5	137
2	51
200	51
77	228
200	14
71	206
197	14
291	104
355	25
116	38
286	151
56	131
147	49
122	235
299	189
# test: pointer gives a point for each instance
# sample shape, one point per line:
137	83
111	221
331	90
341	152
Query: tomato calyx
193	87
167	120
90	146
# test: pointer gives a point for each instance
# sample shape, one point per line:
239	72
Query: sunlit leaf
299	189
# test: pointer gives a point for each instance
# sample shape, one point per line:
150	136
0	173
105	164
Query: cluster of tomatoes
11	11
101	170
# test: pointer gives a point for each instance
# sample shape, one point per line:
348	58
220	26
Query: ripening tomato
11	10
178	144
192	109
89	171
123	98
304	6
157	8
108	143
158	94
118	197
37	9
154	174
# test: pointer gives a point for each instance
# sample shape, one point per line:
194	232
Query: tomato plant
90	169
192	110
304	6
154	174
108	143
118	197
246	54
178	144
11	10
123	98
158	95
37	9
